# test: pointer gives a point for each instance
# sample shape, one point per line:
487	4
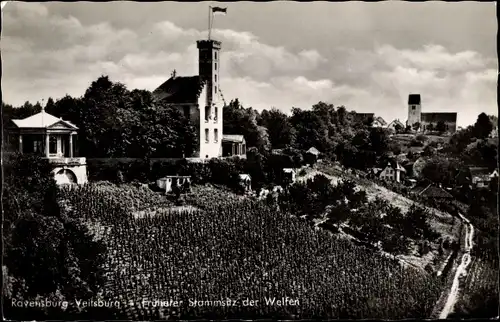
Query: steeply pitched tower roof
414	99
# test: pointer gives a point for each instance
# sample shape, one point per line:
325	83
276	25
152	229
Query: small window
207	113
215	78
206	136
216	135
215	55
215	66
37	146
215	89
413	108
216	113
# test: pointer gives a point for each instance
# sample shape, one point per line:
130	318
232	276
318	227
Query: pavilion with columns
53	138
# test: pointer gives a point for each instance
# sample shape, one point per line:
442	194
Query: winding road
461	270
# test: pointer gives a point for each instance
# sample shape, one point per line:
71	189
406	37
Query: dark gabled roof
413	99
477	171
418	188
180	89
435	192
436	117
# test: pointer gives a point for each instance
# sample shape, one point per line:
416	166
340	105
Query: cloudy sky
366	56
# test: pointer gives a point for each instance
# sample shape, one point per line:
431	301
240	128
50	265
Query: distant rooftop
439	116
234	138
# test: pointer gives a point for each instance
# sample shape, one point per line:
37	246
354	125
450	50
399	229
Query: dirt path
461	270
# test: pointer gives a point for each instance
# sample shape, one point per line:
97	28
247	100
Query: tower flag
212	11
219	10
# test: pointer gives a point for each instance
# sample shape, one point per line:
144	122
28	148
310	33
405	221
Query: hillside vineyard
284	163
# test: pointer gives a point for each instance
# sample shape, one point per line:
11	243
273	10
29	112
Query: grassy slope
440	221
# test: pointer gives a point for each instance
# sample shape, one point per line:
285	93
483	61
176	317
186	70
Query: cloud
47	54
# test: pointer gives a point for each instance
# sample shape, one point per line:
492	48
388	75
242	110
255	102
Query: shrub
421	138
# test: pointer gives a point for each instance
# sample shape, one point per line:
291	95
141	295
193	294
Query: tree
483	126
441	126
416	126
310	130
398	128
430	127
280	130
239	120
48	250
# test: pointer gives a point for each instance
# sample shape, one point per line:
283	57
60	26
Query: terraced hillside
242	250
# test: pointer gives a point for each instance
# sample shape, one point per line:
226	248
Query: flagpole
209	21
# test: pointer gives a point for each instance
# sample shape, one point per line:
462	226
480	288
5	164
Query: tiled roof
414	99
435	192
41	120
235	138
180	89
439	116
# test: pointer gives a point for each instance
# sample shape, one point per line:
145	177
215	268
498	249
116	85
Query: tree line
117	122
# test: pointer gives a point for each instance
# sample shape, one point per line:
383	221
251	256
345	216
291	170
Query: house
393	171
364	117
168	182
379	122
395	126
52	138
277	151
431	191
289	174
494	132
312	155
429	121
199	99
233	145
481	177
246	182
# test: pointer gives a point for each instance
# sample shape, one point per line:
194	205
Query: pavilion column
47	142
20	143
233	149
71	145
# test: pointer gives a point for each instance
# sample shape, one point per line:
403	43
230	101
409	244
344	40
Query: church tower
414	109
211	114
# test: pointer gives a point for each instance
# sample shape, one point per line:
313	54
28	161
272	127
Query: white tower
414	109
211	114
